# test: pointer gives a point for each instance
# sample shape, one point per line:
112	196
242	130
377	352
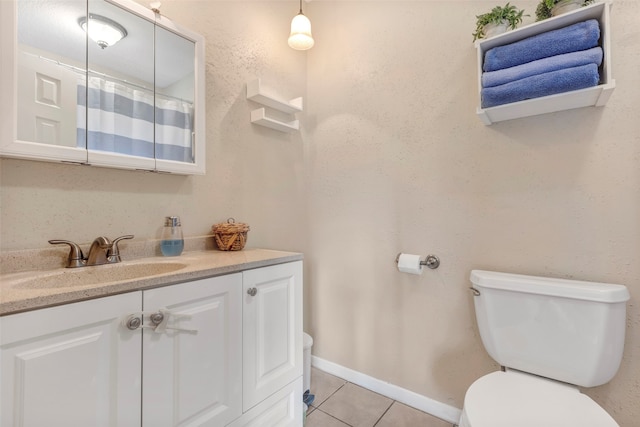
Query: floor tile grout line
334	417
328	397
357	385
343	421
384	413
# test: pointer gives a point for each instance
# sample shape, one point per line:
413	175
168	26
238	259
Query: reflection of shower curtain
121	119
174	129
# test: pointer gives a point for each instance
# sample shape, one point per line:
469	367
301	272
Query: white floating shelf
258	94
594	96
259	117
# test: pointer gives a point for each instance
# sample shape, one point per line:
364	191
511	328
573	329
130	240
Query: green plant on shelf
543	11
508	14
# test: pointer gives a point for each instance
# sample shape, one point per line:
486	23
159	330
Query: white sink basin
101	274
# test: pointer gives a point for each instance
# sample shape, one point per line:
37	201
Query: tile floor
339	403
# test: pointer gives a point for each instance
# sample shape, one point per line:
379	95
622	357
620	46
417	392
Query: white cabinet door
72	365
281	409
272	330
193	377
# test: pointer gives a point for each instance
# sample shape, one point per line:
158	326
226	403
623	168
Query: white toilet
551	336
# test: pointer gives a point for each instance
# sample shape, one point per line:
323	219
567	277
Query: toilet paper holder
430	261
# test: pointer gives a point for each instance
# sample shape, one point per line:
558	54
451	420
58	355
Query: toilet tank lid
575	289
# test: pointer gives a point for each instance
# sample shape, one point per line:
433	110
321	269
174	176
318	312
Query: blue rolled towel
580	36
541	66
559	81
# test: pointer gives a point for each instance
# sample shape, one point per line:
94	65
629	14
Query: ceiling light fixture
104	31
300	37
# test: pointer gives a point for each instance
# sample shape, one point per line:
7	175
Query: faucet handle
76	257
113	254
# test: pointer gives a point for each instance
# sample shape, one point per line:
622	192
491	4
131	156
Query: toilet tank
567	330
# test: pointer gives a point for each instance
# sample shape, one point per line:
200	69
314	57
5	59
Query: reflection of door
47	105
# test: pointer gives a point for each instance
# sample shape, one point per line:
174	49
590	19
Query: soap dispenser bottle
172	242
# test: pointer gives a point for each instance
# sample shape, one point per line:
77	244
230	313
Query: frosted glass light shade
104	31
300	37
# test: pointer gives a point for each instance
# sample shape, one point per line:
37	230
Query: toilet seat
512	398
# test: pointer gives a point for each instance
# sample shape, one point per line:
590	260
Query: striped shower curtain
120	119
174	129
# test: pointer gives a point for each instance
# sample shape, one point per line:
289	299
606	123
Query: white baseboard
433	407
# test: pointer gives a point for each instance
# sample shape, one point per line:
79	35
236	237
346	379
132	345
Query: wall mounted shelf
594	96
259	117
257	93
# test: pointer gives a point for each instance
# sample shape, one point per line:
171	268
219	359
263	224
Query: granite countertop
29	290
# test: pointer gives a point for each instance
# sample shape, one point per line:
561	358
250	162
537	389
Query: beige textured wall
391	158
400	163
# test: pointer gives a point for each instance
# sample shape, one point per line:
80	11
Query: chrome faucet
102	251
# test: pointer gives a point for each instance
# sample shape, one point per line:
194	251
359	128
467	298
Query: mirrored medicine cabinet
131	97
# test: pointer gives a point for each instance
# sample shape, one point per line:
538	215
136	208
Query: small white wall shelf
594	96
259	116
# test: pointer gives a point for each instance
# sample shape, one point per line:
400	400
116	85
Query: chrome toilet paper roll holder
430	261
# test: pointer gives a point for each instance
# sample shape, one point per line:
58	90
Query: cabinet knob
157	318
133	323
252	291
161	317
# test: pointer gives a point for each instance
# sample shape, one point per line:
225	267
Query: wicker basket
230	235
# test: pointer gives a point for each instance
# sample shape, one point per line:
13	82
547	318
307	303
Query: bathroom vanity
216	343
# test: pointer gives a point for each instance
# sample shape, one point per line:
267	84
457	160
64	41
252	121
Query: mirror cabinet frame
12	147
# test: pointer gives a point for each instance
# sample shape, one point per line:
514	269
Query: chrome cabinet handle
160	321
133	323
252	291
156	318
